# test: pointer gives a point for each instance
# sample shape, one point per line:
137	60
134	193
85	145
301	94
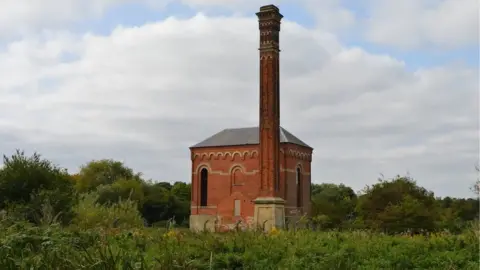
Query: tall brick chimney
269	19
269	207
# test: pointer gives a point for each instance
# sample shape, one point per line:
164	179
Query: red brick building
234	167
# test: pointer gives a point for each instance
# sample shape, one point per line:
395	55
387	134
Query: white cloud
328	15
331	14
413	23
22	17
145	94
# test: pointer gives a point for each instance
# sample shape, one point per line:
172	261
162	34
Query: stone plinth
269	212
199	223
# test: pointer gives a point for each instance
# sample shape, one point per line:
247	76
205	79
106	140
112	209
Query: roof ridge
245	136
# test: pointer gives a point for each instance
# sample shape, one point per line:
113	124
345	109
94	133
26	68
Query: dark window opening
203	187
299	188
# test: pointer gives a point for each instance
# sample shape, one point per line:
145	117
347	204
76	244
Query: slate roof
245	136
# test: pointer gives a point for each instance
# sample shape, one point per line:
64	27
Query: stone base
200	223
269	213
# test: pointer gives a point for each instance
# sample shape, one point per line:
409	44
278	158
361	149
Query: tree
164	201
121	190
456	214
103	172
158	204
333	204
28	183
182	191
407	214
165	185
397	205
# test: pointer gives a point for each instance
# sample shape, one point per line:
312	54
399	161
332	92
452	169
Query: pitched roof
245	136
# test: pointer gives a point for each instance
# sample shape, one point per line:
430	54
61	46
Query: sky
378	88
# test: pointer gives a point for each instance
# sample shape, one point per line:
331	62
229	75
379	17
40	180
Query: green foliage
164	201
397	205
121	190
102	172
181	191
26	247
332	204
28	183
43	225
90	214
408	214
157	205
455	214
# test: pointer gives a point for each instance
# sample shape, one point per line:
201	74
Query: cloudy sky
374	86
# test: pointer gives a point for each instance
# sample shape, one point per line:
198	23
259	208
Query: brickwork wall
233	174
223	163
297	156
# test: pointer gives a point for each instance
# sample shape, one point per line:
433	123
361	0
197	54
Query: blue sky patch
137	14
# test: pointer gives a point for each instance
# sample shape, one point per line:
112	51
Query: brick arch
201	166
226	155
236	166
299	165
236	153
245	155
237	174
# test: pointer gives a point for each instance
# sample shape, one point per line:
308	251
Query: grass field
26	247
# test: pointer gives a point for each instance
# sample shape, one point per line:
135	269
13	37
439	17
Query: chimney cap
269	8
269	12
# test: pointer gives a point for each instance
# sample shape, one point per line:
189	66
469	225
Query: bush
90	214
30	182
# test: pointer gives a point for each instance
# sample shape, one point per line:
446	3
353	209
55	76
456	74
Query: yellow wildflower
274	231
137	233
170	233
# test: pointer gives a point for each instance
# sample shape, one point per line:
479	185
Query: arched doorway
203	187
299	188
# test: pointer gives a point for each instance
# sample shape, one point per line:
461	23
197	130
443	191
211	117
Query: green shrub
27	183
90	214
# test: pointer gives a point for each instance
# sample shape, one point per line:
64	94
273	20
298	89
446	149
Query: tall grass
23	246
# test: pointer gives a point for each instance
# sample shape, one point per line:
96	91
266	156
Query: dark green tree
29	184
457	213
333	205
158	203
164	201
121	190
396	206
182	191
102	172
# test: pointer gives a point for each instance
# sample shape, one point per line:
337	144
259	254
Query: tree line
31	185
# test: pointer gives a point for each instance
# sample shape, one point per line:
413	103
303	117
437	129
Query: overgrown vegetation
108	217
23	246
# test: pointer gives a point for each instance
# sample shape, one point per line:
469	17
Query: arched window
203	187
237	177
299	188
